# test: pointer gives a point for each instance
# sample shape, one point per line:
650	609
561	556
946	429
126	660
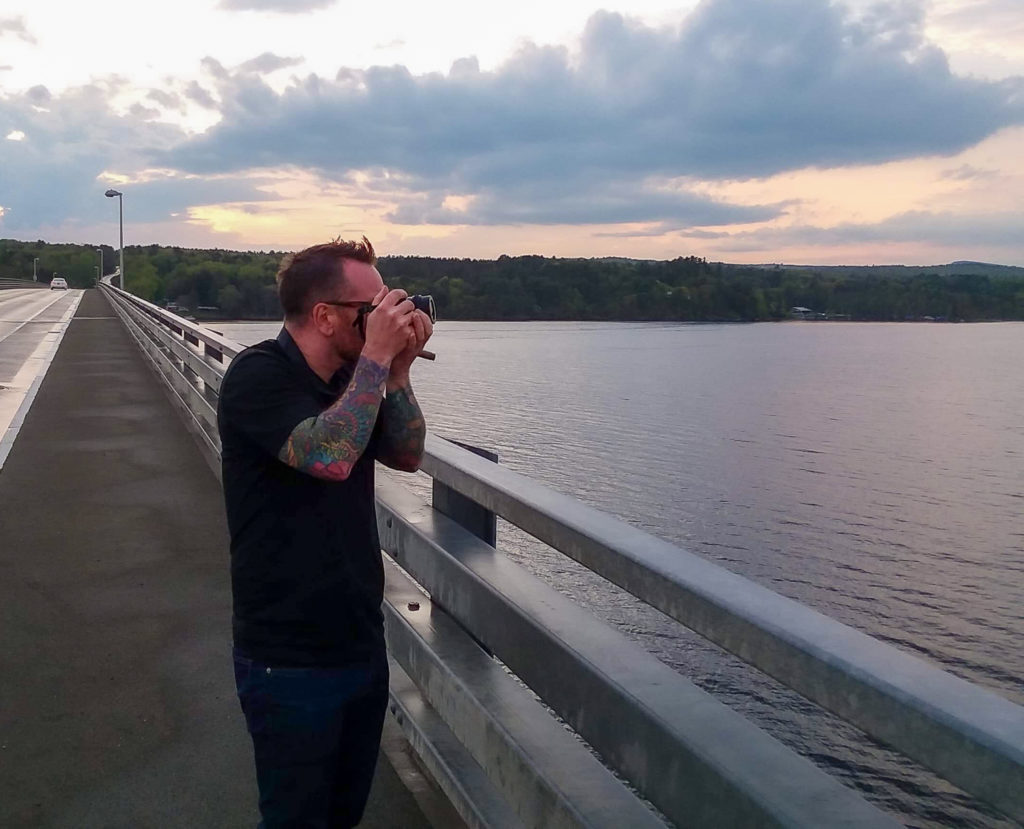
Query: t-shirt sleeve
263	399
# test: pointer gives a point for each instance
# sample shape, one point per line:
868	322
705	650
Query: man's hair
309	276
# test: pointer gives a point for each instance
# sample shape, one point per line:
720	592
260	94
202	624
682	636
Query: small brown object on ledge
427	355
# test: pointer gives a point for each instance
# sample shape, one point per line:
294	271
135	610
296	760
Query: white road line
39	363
36	314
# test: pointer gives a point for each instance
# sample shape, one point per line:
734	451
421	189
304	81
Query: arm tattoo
403	433
328	446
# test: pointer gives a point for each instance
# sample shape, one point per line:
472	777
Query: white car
58	282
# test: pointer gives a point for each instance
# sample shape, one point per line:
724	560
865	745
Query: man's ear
322	319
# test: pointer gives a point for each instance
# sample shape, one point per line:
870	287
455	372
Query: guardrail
496	748
7	282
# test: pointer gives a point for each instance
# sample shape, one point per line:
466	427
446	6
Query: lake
874	472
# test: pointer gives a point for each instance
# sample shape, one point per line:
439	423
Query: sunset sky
796	131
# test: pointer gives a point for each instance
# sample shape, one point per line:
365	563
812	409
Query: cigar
427	355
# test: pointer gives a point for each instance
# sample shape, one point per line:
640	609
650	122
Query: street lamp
35	262
97	267
120	210
99	252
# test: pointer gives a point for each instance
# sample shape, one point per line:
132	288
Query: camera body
421	302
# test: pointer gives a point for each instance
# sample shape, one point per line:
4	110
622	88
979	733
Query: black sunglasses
364	309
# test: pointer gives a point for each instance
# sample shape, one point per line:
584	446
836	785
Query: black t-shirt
306	571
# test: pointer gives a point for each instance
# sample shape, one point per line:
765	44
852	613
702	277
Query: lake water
874	472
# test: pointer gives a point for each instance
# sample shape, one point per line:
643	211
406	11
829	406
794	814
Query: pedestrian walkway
117	703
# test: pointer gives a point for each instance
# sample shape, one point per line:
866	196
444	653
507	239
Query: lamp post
120	210
35	262
99	252
97	267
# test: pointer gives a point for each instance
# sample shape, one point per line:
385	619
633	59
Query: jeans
315	735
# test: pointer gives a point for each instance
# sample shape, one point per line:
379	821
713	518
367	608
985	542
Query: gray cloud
137	110
268	62
598	203
166	99
38	95
967	172
745	88
214	68
282	6
52	177
15	26
196	93
992	230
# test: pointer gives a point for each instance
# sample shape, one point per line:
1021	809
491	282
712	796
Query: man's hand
389	327
420	329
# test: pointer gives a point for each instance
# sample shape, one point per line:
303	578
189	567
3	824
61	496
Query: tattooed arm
404	429
328	446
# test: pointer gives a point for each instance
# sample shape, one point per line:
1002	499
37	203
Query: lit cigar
427	355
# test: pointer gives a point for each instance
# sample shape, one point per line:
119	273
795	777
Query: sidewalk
117	702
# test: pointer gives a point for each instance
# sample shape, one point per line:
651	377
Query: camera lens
424	303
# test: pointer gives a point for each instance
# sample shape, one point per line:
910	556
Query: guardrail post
477	519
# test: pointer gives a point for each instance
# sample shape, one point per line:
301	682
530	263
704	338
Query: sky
796	131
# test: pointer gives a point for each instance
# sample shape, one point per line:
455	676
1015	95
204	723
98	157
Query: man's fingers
383	292
393	297
418	328
428	326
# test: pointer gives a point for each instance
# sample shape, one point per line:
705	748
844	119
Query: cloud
268	62
165	99
745	88
137	110
215	69
943	229
15	26
38	95
54	176
196	93
596	203
985	18
282	6
967	172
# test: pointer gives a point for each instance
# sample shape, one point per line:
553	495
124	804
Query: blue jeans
315	735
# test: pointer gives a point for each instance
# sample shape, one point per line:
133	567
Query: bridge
510	705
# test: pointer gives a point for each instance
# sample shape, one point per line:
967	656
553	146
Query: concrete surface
117	703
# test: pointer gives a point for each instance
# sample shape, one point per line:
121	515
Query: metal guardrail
7	282
504	760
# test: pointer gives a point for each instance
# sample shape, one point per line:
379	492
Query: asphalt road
25	317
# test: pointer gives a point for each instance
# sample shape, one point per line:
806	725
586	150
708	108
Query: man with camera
302	418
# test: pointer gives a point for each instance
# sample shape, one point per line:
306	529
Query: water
874	472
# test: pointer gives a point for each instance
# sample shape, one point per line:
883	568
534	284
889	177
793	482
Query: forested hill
240	285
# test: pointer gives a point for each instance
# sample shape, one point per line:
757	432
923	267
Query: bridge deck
117	704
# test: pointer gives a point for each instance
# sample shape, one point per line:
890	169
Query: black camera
421	302
424	303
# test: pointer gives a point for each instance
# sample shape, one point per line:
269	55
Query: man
302	419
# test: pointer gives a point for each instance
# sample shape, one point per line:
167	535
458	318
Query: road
32	321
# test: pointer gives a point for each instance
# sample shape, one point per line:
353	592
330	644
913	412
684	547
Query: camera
421	302
424	303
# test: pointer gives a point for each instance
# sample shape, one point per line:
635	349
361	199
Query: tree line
240	285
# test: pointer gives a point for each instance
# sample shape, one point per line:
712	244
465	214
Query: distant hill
960	268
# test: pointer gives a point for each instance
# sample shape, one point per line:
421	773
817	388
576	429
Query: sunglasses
363	307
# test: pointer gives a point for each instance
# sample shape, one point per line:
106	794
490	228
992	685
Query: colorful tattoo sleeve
328	446
404	430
